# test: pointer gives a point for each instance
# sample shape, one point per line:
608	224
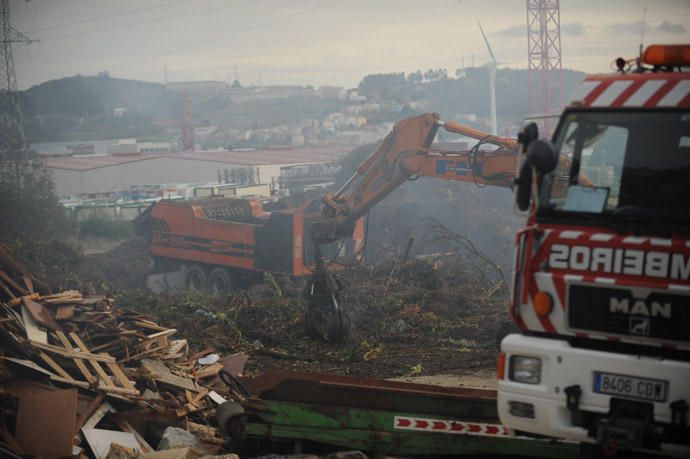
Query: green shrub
105	228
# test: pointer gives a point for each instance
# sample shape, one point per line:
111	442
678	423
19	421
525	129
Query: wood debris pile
77	372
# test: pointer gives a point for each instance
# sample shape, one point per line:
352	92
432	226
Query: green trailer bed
382	417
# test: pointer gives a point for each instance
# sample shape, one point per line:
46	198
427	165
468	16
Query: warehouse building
100	174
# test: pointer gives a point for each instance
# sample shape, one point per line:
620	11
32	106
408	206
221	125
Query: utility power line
228	35
110	16
150	21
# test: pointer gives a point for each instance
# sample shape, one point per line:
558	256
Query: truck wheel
220	282
196	279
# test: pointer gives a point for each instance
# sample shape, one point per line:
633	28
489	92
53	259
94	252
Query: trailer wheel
196	279
220	282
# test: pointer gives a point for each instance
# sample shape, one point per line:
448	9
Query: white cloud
669	27
513	31
574	29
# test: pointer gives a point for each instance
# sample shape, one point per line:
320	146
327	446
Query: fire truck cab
601	288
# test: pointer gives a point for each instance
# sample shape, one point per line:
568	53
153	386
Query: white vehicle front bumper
564	366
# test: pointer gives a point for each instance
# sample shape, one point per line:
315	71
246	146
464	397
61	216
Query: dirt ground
477	379
437	312
123	267
417	321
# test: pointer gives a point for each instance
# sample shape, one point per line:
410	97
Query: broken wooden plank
200	396
22	291
107	385
29	364
161	334
120	376
95	403
216	397
51	413
41	314
206	434
209	370
62	296
9	292
35	334
178	349
108	345
94	364
89	300
17	301
65	312
161	373
70	300
102	387
28	282
57	368
98	415
195	403
105	358
150	325
77	360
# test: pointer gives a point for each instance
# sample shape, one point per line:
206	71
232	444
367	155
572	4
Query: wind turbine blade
491	53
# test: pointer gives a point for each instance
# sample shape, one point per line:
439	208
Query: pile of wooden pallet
77	372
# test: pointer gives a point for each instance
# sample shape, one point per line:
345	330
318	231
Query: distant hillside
468	93
74	107
272	112
83	107
87	96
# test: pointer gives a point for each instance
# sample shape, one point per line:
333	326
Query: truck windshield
622	163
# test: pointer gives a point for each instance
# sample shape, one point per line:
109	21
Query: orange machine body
240	234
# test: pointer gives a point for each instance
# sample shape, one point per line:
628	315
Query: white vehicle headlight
525	369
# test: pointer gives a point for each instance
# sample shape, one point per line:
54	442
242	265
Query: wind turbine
492	81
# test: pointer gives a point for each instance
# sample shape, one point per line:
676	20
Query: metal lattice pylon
544	56
11	125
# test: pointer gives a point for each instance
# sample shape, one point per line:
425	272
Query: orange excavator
406	153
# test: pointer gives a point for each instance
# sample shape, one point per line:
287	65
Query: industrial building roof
242	157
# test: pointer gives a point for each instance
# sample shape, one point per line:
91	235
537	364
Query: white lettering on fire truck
631	262
639	307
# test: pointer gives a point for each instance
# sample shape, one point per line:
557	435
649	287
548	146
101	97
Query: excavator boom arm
406	152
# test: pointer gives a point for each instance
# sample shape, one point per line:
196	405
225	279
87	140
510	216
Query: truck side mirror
541	155
523	183
528	134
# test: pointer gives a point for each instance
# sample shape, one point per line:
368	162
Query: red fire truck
601	288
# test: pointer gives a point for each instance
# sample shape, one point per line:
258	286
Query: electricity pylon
11	124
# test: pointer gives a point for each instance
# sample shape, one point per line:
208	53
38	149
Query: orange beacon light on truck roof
671	55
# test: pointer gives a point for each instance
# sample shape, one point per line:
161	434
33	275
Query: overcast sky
317	41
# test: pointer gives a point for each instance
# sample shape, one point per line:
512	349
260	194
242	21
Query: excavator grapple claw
325	318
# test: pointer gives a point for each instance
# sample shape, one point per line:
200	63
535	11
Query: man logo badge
639	326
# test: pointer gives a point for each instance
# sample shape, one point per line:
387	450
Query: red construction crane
185	124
